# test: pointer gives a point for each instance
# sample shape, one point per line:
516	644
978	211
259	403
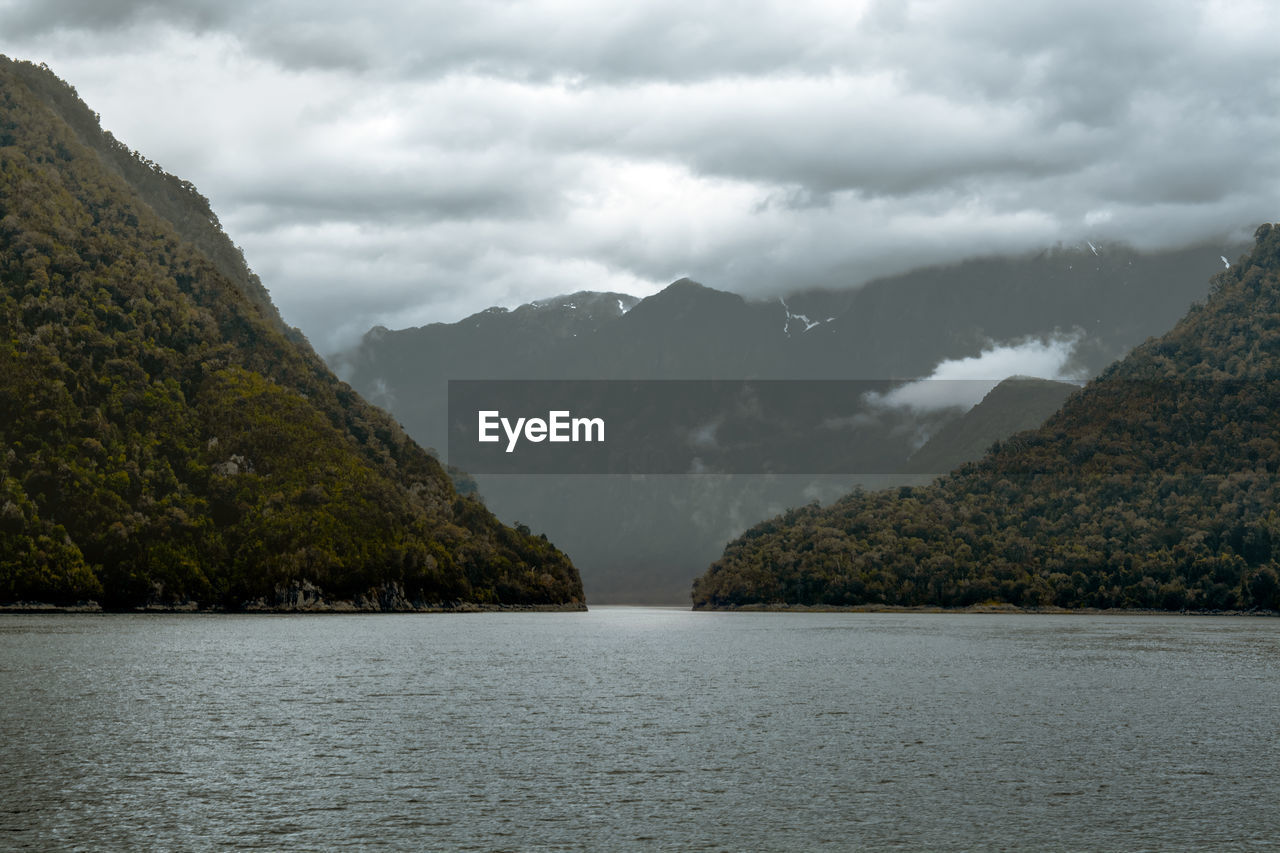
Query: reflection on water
639	728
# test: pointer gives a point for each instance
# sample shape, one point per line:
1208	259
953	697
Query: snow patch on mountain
808	324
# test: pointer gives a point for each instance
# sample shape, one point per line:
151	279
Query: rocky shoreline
306	597
973	608
35	607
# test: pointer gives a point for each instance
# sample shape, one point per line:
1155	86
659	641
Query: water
639	729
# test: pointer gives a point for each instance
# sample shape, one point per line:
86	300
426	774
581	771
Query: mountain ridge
173	199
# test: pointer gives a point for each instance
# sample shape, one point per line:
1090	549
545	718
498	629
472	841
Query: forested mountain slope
166	439
1157	486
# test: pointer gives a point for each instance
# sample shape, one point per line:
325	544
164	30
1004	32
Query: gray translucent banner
699	426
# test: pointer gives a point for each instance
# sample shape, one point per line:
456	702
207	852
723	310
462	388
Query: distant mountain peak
606	303
687	291
686	282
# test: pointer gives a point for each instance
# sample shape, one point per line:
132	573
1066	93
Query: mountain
168	440
1104	298
1113	297
1018	403
408	374
1156	486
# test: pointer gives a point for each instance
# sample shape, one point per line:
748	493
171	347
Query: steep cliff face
167	438
1156	486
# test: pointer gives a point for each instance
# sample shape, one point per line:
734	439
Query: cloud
25	18
402	162
962	383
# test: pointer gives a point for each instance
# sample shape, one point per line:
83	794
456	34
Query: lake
638	728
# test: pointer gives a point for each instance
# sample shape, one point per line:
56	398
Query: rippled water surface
639	729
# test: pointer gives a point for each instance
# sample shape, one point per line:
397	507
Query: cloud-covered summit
398	163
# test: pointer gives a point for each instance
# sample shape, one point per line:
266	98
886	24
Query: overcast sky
397	163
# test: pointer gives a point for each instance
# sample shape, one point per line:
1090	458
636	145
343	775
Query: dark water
639	729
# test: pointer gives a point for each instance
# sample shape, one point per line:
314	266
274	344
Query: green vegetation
166	438
1155	487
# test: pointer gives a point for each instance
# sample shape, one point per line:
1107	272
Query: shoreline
318	608
353	607
304	597
1011	609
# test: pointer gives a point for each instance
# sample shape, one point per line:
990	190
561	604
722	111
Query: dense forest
167	439
1156	486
